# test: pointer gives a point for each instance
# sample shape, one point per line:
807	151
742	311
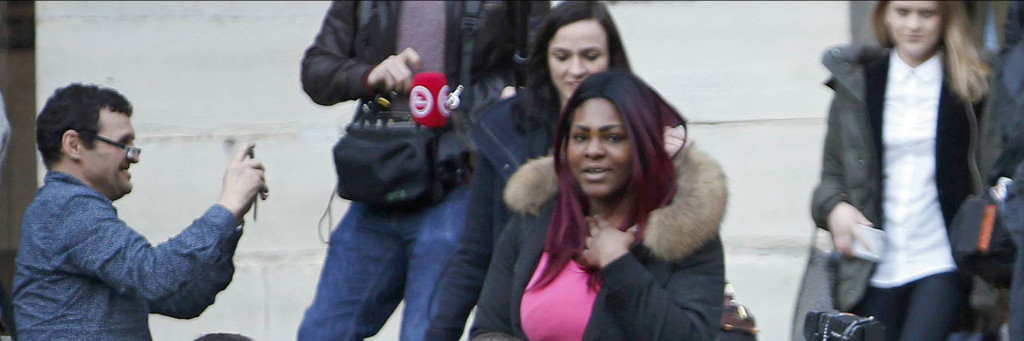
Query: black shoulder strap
520	15
470	20
364	11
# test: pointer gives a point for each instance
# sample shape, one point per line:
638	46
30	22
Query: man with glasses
81	272
131	152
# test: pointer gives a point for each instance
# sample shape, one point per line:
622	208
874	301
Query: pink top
560	310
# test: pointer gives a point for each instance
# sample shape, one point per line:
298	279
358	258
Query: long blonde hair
967	73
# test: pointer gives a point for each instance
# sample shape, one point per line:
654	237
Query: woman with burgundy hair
613	238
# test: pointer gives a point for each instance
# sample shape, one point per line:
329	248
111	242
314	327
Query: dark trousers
925	309
6	315
1014	221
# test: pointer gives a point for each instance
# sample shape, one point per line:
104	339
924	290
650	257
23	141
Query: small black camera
838	326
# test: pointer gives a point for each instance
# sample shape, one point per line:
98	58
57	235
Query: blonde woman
899	157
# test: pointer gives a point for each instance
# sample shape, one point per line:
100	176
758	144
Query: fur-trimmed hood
846	63
673	232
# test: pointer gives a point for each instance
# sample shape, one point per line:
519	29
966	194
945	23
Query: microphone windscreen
428	99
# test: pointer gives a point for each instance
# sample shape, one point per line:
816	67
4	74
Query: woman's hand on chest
605	243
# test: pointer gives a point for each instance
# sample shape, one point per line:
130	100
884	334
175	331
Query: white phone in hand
873	246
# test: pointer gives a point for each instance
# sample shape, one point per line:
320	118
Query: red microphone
428	99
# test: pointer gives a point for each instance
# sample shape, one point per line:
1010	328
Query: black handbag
837	326
980	243
816	286
385	159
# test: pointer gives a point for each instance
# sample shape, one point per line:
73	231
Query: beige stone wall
200	74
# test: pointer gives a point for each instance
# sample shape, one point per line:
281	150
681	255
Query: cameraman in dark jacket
379	256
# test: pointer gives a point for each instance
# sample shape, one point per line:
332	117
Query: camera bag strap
470	23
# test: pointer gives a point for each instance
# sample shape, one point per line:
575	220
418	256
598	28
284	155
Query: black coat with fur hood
669	287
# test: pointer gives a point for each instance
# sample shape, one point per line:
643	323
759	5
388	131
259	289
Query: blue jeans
377	257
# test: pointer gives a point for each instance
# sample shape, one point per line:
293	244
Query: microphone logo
428	99
421	101
442	101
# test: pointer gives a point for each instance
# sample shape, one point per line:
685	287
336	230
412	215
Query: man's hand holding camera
243	180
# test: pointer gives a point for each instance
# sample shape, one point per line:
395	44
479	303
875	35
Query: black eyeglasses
130	152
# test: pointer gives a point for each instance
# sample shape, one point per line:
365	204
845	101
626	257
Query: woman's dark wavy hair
74	107
540	107
645	115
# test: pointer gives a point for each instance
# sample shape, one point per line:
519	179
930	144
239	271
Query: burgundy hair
645	115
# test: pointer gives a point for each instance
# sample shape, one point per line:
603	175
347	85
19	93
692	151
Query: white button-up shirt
917	245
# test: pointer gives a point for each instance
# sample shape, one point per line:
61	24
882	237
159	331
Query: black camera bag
385	159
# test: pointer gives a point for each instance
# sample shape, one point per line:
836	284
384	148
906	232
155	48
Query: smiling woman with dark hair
613	238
